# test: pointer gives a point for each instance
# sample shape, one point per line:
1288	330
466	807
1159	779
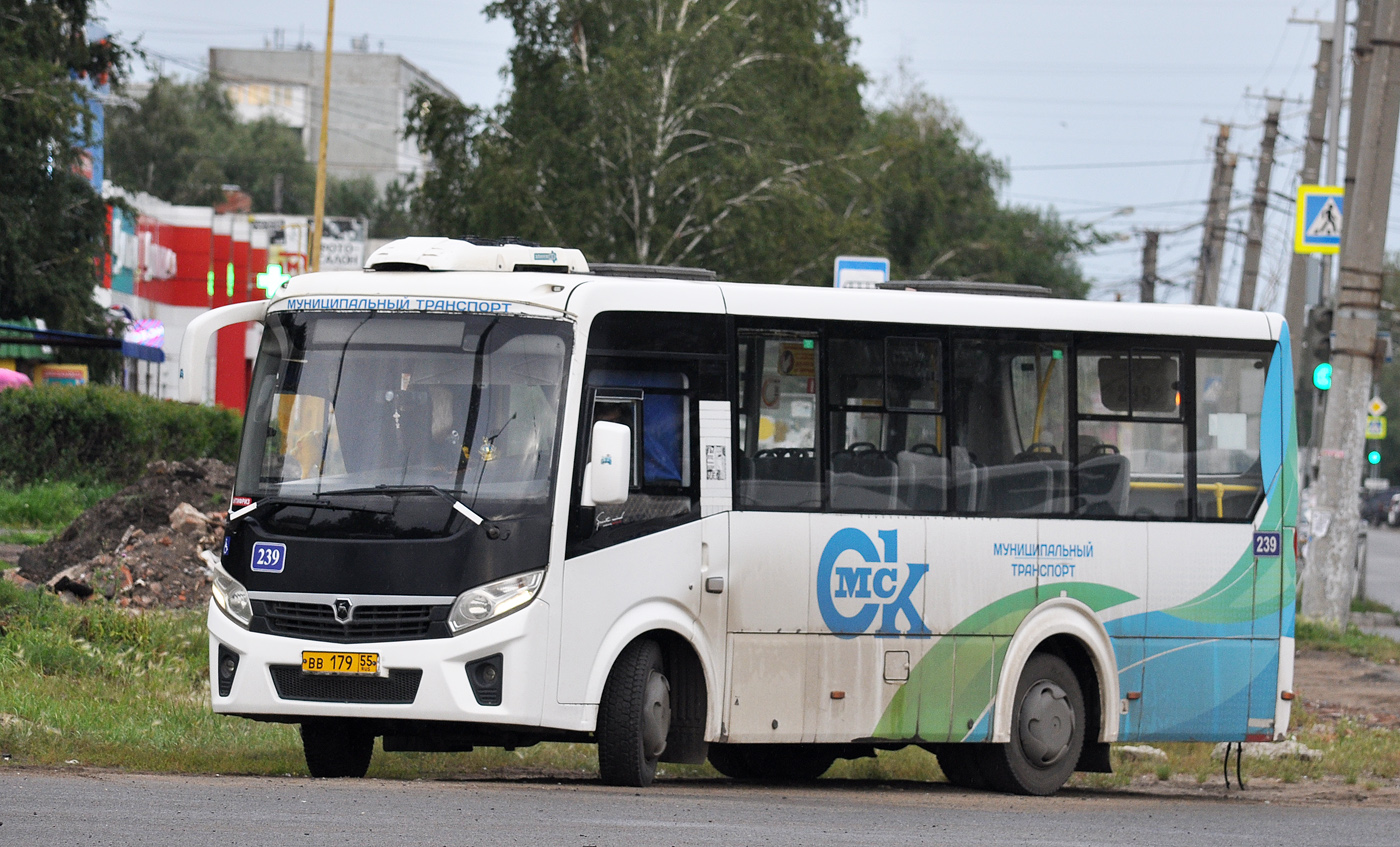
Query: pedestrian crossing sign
1319	219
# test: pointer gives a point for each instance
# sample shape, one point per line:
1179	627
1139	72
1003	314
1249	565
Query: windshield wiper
317	501
327	500
391	490
457	505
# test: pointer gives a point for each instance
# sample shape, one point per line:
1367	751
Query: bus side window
1132	435
1010	450
887	451
1229	399
656	408
778	465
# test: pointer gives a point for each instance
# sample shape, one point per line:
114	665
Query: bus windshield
346	402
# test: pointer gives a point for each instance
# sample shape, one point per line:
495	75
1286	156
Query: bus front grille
401	686
368	623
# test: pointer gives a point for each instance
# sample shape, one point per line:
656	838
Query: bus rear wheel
771	762
1047	731
634	717
336	748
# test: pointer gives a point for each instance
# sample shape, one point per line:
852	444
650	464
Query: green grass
107	687
27	537
1350	750
1317	636
1365	605
48	506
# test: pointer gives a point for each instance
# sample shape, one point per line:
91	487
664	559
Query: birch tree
729	134
661	131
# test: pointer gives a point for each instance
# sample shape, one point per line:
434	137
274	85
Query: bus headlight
230	596
492	600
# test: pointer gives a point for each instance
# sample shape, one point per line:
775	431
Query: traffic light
1374	457
1322	377
1317	333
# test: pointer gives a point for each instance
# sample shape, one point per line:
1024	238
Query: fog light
485	678
228	666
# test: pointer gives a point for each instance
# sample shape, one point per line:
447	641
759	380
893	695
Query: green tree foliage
182	142
52	222
934	193
654	132
389	213
727	133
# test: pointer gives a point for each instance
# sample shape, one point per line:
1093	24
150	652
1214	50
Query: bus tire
336	748
771	762
1047	731
634	716
962	765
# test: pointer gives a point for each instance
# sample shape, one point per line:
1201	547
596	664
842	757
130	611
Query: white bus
488	497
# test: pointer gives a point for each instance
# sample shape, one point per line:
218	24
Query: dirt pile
141	546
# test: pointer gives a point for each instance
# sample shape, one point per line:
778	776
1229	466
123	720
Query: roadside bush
104	435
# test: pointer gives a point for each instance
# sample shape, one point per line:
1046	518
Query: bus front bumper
443	693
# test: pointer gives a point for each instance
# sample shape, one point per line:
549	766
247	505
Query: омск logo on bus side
851	595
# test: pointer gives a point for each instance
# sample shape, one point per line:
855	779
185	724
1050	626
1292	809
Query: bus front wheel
1047	731
634	717
336	748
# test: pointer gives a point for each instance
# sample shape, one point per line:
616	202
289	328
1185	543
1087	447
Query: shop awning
29	337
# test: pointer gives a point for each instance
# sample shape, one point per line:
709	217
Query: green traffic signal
1322	377
1374	457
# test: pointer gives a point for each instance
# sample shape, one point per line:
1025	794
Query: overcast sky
1097	106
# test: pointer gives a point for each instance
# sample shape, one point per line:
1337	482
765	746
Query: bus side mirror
609	472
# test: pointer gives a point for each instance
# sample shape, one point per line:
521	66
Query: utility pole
318	220
1360	76
1254	245
1217	218
1334	121
1328	587
1149	266
1295	305
1334	97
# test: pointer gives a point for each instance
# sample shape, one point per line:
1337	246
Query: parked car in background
1376	505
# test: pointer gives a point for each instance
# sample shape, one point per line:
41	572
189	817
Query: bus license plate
354	664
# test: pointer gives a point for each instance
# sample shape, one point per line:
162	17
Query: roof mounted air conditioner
450	254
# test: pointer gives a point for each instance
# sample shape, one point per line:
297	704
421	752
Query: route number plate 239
354	664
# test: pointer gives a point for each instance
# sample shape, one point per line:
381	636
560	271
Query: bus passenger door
635	564
716	501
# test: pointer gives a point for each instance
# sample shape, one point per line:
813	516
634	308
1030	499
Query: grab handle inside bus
609	471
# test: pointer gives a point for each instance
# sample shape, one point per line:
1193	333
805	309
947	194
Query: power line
1097	165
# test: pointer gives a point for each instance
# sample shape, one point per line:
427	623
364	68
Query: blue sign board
861	271
1318	221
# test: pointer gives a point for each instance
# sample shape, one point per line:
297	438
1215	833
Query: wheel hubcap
656	715
1047	723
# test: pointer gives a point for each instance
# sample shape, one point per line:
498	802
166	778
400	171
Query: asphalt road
44	807
1383	566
